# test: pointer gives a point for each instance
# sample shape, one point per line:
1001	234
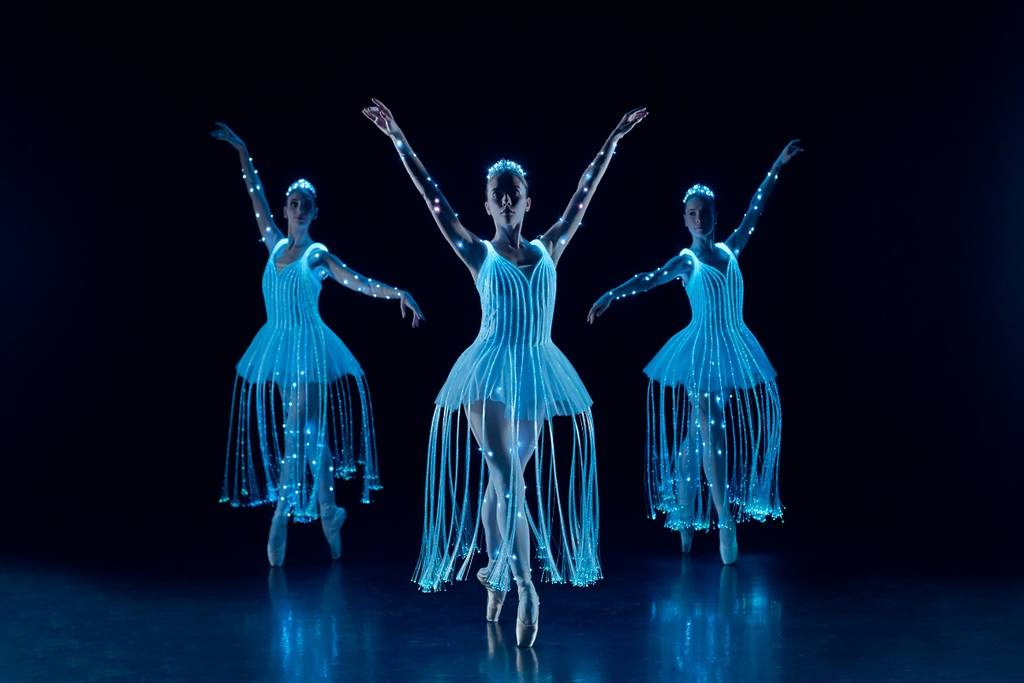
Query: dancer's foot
728	547
277	539
686	538
495	599
528	618
332	518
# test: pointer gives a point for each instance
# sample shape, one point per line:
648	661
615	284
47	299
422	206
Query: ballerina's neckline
519	267
274	257
702	263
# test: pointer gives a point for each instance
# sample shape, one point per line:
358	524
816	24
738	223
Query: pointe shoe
686	538
277	540
332	524
495	599
526	633
728	547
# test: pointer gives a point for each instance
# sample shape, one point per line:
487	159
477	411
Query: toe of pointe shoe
277	541
728	547
495	599
275	555
494	605
332	531
526	634
686	539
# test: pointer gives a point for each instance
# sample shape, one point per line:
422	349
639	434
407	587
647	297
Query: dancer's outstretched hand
406	301
629	120
789	151
599	307
223	132
382	118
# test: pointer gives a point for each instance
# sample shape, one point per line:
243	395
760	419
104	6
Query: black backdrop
883	280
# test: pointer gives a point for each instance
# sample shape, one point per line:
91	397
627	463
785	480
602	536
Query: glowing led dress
712	387
513	366
301	407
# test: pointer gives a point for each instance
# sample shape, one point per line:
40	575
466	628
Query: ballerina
507	391
301	412
714	420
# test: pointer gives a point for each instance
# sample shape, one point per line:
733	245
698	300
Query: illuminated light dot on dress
514	367
714	356
297	377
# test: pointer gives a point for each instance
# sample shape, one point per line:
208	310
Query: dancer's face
699	216
507	202
300	209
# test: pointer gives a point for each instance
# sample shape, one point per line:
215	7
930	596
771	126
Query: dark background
883	282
